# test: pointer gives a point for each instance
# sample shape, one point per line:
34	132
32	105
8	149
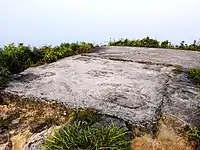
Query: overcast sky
39	22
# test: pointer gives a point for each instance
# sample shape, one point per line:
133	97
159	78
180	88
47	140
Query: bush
17	58
65	49
194	138
146	42
153	43
164	44
194	73
82	47
55	53
4	77
82	136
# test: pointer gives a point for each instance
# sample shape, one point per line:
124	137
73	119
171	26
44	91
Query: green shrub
152	43
82	47
194	137
164	44
80	136
194	73
146	42
17	58
55	53
39	54
4	76
51	55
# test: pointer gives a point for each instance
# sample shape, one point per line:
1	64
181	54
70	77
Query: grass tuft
194	137
81	136
194	74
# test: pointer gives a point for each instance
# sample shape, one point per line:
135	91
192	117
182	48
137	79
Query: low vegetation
153	43
4	76
81	135
194	137
194	74
31	114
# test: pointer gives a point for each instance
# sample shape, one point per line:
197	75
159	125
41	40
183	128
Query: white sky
41	22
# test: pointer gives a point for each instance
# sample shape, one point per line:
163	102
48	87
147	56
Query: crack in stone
159	110
178	68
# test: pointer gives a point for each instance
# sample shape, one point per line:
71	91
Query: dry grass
21	118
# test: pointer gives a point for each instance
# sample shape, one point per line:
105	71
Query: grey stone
16	121
134	84
109	121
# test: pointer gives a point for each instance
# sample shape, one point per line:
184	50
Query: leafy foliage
153	43
194	137
146	42
56	53
194	74
17	58
81	136
4	77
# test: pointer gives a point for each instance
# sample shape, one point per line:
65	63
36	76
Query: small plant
81	136
165	44
194	73
194	137
17	58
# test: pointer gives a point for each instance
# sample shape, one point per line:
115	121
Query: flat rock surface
134	84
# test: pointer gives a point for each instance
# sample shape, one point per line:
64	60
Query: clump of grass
81	136
194	74
194	137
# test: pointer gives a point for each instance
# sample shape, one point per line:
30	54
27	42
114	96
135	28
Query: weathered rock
135	84
108	121
4	137
36	141
6	146
5	143
182	99
171	136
